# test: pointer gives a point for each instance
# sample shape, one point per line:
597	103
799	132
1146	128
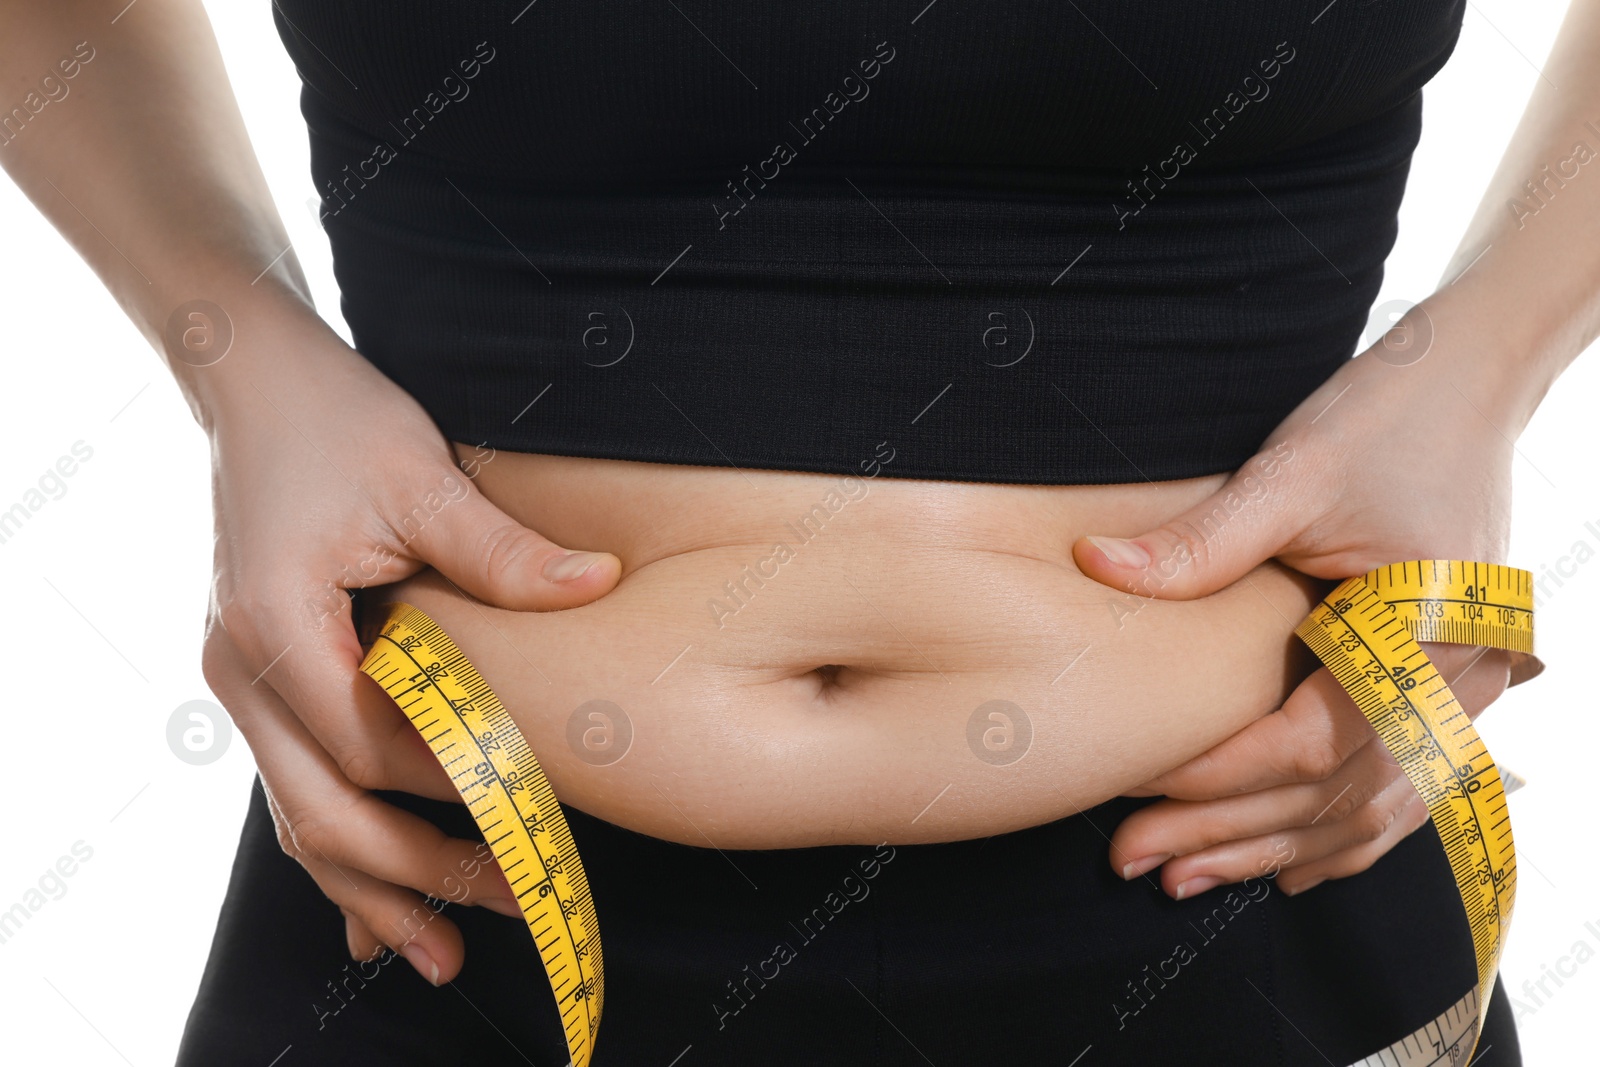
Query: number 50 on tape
1366	632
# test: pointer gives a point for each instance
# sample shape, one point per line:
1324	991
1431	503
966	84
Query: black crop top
1034	241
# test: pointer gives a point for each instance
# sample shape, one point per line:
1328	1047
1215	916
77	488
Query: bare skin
827	698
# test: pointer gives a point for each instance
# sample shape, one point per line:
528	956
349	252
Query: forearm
140	159
1525	280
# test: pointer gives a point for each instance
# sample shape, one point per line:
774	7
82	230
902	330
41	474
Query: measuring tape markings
1440	1043
510	800
1366	632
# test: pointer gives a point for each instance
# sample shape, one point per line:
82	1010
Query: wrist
222	336
1500	358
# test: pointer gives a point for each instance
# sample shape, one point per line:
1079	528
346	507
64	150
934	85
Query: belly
795	659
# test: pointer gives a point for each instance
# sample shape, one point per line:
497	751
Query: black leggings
1018	948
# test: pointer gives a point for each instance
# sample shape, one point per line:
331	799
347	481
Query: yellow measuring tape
1365	632
510	799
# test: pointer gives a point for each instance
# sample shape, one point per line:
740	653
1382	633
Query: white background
104	593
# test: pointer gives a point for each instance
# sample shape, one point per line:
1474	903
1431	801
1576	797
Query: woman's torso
983	274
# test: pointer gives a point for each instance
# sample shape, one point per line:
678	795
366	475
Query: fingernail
1297	890
1195	886
419	958
571	566
1149	863
1122	553
502	906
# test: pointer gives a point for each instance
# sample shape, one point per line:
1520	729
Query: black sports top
1035	241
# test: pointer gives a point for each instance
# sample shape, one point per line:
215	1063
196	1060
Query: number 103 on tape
1366	632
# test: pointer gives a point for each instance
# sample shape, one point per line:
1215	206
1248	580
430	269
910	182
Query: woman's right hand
327	476
318	459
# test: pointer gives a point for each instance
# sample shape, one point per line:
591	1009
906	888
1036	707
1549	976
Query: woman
825	341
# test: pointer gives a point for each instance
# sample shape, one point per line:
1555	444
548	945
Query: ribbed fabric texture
1043	243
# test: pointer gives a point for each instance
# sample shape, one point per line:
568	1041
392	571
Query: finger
501	562
363	944
1183	827
1308	739
1477	677
1213	544
1355	860
401	919
270	644
325	818
396	846
341	834
1188	876
1317	729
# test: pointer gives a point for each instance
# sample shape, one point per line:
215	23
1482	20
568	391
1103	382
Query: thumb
1208	547
501	562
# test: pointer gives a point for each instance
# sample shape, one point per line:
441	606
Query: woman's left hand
1404	453
1309	787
